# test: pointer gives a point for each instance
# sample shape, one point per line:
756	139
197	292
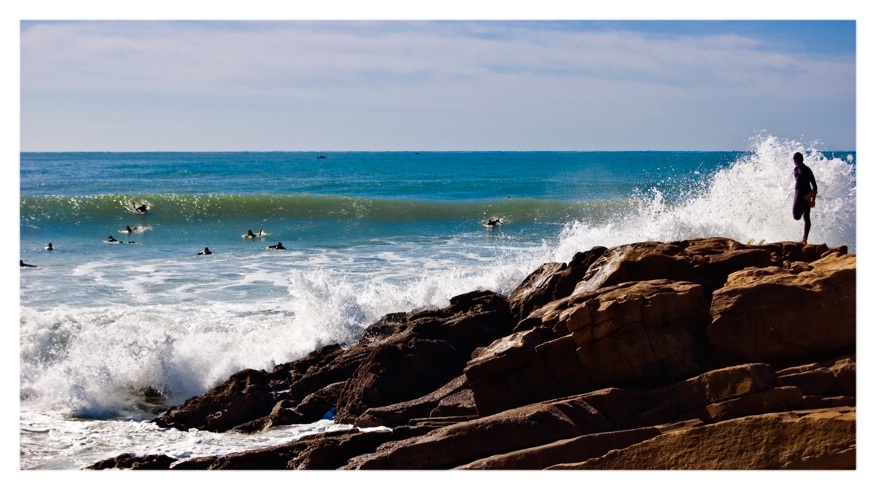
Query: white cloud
464	80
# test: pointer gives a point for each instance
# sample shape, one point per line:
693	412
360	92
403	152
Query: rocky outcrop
697	354
818	439
818	313
401	357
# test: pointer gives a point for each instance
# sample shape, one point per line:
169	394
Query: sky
433	83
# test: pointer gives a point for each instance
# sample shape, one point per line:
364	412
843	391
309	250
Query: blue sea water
366	234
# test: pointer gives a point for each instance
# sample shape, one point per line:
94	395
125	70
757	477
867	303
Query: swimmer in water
21	262
249	234
278	246
50	246
111	239
141	208
494	222
206	251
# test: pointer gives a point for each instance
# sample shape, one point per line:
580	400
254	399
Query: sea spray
749	201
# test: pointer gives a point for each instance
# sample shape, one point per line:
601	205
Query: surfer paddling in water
493	222
805	190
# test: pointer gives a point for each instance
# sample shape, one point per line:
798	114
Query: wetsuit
805	184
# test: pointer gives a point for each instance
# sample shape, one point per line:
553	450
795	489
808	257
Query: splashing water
750	202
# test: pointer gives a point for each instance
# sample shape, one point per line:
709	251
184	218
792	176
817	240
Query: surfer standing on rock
805	190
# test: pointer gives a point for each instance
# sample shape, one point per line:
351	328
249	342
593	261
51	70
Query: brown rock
245	397
551	281
395	373
509	373
630	333
402	413
715	386
706	261
845	376
464	442
688	398
580	448
640	331
130	462
773	315
779	399
458	404
814	382
806	439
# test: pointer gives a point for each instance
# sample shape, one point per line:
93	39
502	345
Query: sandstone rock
772	315
245	397
402	413
427	351
580	448
509	373
715	386
704	261
551	281
464	442
634	332
132	462
457	404
779	399
827	401
806	439
644	331
394	373
811	377
815	382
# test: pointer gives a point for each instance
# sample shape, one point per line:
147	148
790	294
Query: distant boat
321	156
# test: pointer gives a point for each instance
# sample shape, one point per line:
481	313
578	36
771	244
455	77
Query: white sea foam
749	202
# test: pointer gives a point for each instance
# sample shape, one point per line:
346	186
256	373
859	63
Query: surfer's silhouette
805	190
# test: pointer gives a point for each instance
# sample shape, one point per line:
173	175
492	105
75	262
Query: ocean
365	234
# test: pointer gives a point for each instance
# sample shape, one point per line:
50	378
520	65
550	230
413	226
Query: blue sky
458	84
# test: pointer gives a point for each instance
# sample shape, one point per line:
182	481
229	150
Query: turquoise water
366	234
344	198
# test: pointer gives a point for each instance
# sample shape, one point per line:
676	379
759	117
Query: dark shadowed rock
464	442
423	352
131	462
551	281
246	396
424	406
395	373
